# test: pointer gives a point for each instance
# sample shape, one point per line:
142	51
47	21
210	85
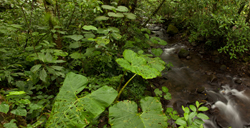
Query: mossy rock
172	30
183	53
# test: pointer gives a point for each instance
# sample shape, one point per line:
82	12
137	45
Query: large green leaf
99	18
4	107
124	114
89	27
122	9
69	111
108	7
19	111
130	16
74	37
116	36
157	51
142	65
112	14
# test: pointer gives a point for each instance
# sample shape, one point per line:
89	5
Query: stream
197	78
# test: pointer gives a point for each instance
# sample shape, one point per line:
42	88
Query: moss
172	29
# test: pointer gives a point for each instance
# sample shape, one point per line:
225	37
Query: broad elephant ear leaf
142	65
69	111
124	114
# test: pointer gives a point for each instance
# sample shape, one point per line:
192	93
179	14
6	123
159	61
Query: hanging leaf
108	7
100	18
76	55
112	14
122	9
43	75
4	107
59	68
130	16
74	37
35	68
124	114
116	36
71	111
11	124
75	45
89	27
157	51
89	35
144	66
102	40
19	112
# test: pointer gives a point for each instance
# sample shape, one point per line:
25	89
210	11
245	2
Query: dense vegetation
84	63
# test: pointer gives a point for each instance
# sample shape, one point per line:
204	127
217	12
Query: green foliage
141	64
42	41
125	114
71	111
189	119
159	93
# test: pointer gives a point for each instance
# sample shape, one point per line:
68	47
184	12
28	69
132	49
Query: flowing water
225	94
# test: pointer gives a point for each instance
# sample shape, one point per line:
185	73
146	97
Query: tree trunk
56	37
134	5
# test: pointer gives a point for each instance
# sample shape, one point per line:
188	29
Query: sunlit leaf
99	18
122	9
19	112
130	16
116	36
74	37
124	114
71	111
89	27
157	51
35	68
43	75
112	14
108	7
4	107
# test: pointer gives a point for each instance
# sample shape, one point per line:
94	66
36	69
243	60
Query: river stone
223	67
217	59
172	30
201	90
238	81
194	44
183	53
188	57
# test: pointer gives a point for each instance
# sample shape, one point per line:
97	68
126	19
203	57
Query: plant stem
124	87
121	81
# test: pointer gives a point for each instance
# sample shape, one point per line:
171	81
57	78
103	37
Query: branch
154	13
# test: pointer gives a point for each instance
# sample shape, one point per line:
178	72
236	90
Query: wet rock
194	44
215	53
183	53
188	57
156	28
217	59
172	30
192	98
201	90
223	67
201	52
213	78
238	81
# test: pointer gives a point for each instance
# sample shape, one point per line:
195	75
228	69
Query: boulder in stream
183	53
172	30
223	67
